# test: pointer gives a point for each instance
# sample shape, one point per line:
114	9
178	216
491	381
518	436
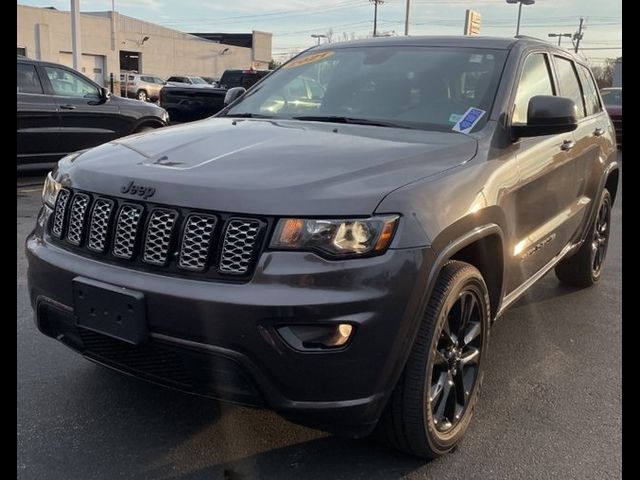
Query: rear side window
535	80
28	81
569	84
590	91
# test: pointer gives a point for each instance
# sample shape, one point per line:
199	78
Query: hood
268	167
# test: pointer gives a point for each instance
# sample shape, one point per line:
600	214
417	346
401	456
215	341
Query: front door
38	121
85	119
547	195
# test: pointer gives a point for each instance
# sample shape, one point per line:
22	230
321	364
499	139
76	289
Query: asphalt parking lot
551	405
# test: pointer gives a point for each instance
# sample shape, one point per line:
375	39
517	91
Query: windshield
612	97
420	87
198	80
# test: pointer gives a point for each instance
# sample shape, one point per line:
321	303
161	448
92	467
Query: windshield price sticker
468	120
308	59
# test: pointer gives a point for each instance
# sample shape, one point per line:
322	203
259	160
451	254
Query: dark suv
61	111
339	262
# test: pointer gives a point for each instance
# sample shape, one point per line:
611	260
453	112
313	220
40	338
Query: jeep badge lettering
140	190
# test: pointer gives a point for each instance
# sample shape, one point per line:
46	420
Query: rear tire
433	403
142	95
583	268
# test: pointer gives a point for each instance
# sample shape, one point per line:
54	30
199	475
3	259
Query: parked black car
61	111
340	261
242	78
612	98
187	103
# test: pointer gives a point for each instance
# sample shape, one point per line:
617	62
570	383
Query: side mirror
547	115
233	94
105	94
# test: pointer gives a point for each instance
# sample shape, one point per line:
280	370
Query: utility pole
113	25
375	15
578	35
76	49
406	18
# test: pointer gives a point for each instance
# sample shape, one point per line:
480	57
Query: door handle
568	145
68	107
598	132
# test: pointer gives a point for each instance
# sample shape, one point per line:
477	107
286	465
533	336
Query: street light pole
560	35
76	49
406	18
318	36
520	3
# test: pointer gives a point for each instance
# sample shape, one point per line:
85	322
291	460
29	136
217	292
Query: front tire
433	403
583	268
142	96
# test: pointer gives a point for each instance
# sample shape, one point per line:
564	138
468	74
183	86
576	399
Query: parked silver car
141	86
189	80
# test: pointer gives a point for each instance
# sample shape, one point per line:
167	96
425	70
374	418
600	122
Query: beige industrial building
111	42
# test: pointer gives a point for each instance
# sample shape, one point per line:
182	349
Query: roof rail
528	37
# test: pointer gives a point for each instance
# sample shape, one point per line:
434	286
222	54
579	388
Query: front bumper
219	340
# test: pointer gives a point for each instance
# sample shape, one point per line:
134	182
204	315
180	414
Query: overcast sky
293	21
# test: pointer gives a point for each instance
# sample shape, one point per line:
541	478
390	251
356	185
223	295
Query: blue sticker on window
468	120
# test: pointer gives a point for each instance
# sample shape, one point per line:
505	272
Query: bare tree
603	73
329	35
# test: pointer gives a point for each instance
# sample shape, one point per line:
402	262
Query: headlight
50	190
337	238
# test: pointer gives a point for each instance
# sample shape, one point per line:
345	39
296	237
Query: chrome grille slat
60	211
99	224
77	215
239	244
196	242
126	230
149	236
158	236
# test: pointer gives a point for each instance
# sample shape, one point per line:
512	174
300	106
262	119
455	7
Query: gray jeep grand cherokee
339	255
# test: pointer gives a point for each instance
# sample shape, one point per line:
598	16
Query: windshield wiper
248	115
351	120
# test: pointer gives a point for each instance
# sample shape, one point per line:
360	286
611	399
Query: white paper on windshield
468	120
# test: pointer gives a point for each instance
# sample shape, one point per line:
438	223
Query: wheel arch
611	183
147	122
482	247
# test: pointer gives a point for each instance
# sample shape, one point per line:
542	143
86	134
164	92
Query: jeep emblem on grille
141	190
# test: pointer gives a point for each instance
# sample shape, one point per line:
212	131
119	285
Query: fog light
344	329
316	337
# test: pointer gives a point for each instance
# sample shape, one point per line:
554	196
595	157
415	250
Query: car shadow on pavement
327	457
548	288
165	434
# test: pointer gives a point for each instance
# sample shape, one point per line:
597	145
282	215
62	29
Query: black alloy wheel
600	240
455	368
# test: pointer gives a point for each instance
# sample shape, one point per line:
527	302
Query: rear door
37	118
85	119
587	151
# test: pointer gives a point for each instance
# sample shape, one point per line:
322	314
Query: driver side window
535	80
67	84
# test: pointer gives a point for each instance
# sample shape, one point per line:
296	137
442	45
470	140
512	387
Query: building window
22	51
129	61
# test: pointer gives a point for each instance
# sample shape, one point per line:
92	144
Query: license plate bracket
114	311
